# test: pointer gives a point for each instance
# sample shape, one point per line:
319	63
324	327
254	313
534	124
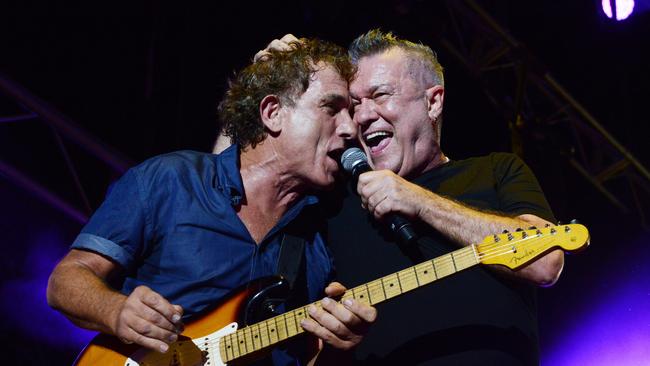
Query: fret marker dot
256	336
391	285
425	272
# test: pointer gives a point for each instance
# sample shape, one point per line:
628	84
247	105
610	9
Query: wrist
114	312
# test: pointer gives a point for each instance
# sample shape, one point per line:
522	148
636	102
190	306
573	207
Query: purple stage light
611	325
24	297
623	8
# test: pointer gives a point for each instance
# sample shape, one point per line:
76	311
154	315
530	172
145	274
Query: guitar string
405	276
401	276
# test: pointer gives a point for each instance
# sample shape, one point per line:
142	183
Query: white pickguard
194	352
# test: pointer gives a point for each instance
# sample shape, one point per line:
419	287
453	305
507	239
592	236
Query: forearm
84	298
462	224
465	225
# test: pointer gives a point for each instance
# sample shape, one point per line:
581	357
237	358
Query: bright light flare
623	8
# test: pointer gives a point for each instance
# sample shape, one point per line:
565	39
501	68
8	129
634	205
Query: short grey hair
376	41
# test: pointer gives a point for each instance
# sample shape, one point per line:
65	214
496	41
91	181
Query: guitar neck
411	278
267	333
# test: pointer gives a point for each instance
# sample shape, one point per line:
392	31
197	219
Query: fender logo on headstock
518	258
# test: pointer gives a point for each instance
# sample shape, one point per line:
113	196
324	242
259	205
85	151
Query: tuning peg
560	223
547	225
574	221
505	232
519	229
532	228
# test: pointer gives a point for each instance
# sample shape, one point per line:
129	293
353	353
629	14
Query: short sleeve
117	229
518	189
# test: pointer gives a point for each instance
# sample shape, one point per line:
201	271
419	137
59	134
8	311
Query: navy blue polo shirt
171	223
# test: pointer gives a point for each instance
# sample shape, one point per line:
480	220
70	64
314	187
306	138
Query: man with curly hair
178	232
482	316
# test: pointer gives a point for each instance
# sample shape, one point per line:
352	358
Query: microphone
355	162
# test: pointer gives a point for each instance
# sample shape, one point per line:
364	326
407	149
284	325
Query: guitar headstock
519	248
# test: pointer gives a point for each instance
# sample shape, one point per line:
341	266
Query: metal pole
41	192
65	126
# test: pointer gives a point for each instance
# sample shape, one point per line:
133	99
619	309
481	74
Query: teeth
377	134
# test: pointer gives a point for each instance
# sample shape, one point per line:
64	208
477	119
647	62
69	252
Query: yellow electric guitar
225	333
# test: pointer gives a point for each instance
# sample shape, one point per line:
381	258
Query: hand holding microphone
379	193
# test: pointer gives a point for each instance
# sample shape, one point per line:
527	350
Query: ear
435	97
270	113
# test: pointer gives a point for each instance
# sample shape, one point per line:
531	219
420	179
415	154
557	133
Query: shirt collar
229	181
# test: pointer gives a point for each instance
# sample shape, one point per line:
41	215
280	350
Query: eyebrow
333	98
371	90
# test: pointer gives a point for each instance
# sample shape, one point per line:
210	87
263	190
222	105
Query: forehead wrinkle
391	69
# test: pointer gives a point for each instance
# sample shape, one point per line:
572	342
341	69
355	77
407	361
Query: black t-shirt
475	317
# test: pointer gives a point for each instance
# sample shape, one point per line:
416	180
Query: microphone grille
351	157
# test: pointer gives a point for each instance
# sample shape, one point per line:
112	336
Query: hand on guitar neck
339	324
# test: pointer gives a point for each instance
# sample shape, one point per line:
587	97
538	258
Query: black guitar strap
292	252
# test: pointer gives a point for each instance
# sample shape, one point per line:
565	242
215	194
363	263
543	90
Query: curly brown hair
286	74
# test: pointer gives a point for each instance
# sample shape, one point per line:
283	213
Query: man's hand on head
340	325
149	320
282	44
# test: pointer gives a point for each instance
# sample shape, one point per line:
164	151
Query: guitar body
196	345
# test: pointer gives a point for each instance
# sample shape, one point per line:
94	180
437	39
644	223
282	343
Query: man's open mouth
377	140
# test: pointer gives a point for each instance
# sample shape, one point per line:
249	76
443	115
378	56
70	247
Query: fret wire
232	345
383	288
257	342
281	328
292	319
224	342
399	283
296	320
363	297
249	344
368	291
435	272
264	326
236	351
274	330
415	274
475	253
227	356
453	261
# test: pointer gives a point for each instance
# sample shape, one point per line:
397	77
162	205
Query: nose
365	112
346	128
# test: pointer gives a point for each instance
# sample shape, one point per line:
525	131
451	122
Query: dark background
145	78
